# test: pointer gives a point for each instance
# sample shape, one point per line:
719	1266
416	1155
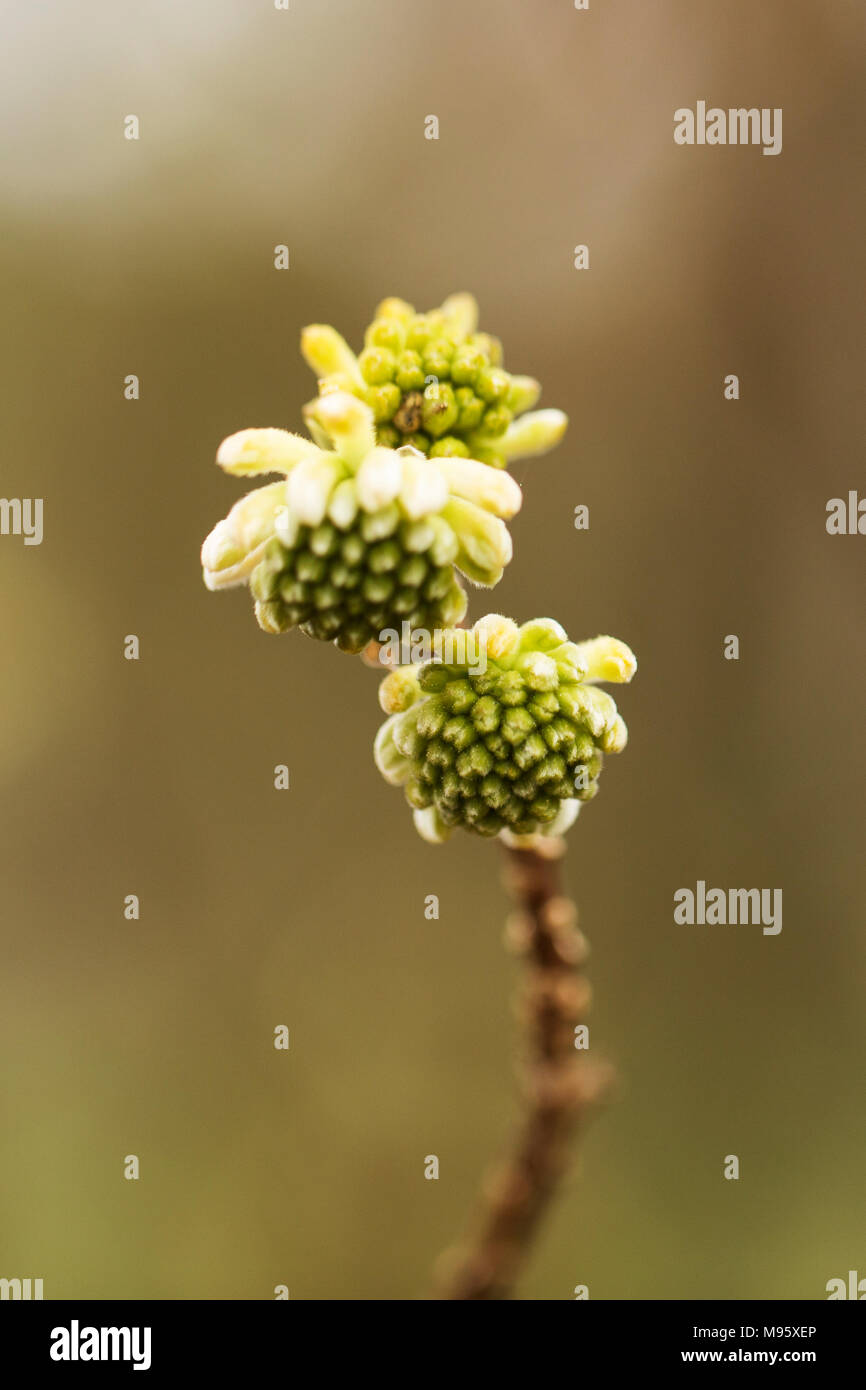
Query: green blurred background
306	908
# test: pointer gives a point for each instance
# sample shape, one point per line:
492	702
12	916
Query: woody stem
558	1088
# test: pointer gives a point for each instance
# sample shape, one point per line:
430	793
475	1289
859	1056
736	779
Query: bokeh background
260	127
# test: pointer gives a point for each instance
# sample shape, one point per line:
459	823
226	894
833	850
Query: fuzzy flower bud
328	353
234	547
433	381
500	733
533	434
358	540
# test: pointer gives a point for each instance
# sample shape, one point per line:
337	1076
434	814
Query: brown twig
558	1086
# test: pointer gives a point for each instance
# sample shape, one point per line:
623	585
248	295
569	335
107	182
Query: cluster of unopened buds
356	537
434	382
504	730
400	492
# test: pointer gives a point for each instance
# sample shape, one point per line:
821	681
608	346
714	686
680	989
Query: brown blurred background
306	908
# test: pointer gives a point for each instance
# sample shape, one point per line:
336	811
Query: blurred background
306	907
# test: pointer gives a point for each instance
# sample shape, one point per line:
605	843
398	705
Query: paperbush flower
434	382
357	537
505	731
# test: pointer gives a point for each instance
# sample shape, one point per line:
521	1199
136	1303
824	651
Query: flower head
433	381
505	731
356	537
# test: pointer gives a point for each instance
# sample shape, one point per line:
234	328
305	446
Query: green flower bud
395	309
496	420
389	436
273	617
449	447
375	526
470	411
439	409
388	333
510	745
324	540
543	635
399	690
490	346
384	401
472	402
309	568
486	453
437	359
358	539
410	371
467	365
419	441
377	365
492	385
419	332
459	732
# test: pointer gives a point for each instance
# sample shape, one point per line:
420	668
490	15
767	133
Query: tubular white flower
379	479
562	821
319	433
327	352
430	826
423	489
394	767
223	561
343	504
349	422
484	541
532	434
490	488
365	535
565	818
310	486
608	659
233	549
287	526
256	451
